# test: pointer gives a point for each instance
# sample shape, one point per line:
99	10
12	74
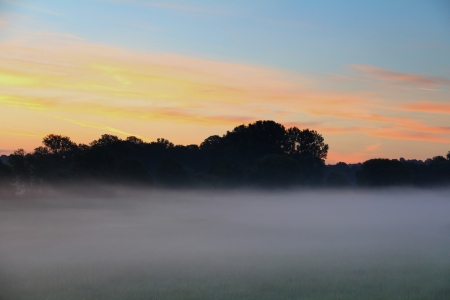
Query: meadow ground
390	244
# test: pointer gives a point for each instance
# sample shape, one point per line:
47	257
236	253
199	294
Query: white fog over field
375	244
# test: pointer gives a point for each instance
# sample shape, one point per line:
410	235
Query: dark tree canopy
262	154
95	164
225	172
6	181
278	171
305	143
134	140
133	171
57	145
105	140
5	174
163	143
171	173
247	143
384	172
211	143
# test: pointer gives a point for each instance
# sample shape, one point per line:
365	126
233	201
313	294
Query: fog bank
204	245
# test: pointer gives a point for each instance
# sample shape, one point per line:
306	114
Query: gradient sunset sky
373	77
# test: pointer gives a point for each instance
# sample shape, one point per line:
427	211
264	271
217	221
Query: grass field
160	245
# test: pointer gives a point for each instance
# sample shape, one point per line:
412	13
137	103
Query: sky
373	77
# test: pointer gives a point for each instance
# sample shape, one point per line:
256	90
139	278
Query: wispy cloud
372	147
186	8
31	7
428	107
340	130
393	133
54	34
27	102
21	134
399	77
302	124
71	77
5	152
99	126
40	33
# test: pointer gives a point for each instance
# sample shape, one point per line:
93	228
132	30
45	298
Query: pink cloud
399	77
392	133
430	107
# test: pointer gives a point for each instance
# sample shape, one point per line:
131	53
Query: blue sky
372	76
311	36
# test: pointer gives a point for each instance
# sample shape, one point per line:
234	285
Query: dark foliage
341	174
337	180
171	173
384	172
6	181
439	170
305	143
225	173
133	172
277	171
262	154
95	164
246	144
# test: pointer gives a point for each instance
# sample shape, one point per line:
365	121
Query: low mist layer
201	245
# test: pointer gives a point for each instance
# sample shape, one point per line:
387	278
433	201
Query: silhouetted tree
19	162
225	173
263	151
134	140
57	145
342	167
171	173
439	170
383	172
83	147
305	143
163	143
132	171
211	143
308	148
52	162
246	144
339	175
105	140
420	172
6	181
95	164
337	180
276	171
6	173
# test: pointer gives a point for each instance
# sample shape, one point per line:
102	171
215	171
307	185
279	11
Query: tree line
260	154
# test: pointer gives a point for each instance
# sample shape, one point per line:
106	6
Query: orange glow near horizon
89	89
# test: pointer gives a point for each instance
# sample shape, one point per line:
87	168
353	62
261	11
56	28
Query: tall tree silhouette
246	144
57	145
305	143
6	181
383	172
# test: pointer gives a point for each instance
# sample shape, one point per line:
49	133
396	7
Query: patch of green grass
309	276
